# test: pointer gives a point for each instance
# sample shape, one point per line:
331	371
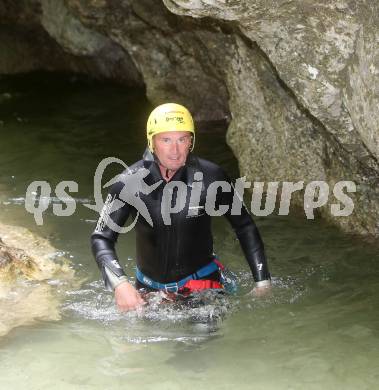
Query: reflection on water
319	328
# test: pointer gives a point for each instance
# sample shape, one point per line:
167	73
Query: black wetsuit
168	253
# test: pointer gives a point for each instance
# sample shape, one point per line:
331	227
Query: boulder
29	274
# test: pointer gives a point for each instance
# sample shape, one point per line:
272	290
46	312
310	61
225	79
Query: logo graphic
132	184
195	198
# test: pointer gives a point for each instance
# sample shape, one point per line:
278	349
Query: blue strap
175	286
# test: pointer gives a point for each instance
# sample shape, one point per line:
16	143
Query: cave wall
298	80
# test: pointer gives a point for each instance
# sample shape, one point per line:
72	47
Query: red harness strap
219	264
198	285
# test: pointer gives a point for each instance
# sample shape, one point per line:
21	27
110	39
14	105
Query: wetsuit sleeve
246	231
105	235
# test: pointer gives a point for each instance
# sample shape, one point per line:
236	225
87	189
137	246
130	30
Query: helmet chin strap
167	175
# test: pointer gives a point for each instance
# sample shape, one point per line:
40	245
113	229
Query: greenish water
319	329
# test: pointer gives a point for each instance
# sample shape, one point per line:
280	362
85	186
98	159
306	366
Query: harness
191	282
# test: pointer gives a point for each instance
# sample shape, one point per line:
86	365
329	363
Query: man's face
172	148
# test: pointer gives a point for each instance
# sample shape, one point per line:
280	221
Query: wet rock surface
29	276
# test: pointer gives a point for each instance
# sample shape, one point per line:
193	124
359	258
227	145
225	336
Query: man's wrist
121	279
263	283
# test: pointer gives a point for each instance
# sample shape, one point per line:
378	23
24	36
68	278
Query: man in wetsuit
180	192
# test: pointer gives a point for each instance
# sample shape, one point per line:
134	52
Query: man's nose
174	147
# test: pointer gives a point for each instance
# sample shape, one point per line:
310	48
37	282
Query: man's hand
262	288
127	297
261	291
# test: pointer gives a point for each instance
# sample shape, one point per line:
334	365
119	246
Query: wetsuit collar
147	155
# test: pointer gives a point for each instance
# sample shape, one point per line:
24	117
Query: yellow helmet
169	117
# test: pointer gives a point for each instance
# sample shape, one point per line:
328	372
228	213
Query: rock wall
298	80
27	265
43	35
306	106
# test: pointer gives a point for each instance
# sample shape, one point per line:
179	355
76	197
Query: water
318	329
